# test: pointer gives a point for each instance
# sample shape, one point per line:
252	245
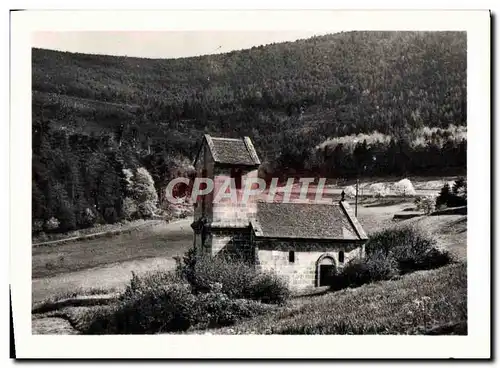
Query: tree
404	187
144	193
444	196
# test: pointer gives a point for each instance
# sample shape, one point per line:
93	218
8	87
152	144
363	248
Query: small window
291	256
236	174
341	256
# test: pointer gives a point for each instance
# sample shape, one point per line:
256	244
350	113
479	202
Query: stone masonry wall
302	273
232	242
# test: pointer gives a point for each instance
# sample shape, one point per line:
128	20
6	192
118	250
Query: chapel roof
329	221
232	151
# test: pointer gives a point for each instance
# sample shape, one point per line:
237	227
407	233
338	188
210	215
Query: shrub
37	226
160	302
144	309
411	247
52	224
426	204
148	281
237	278
404	187
358	272
269	288
216	309
89	217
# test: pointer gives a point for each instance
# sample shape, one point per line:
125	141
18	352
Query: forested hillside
94	116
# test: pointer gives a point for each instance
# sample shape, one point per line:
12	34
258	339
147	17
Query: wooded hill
288	97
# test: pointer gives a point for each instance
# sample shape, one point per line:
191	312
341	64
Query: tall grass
430	302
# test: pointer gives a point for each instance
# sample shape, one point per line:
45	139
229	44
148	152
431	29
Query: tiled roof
233	151
307	221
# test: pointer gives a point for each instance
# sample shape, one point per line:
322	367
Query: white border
475	345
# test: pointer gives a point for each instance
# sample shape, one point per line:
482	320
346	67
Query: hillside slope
344	83
94	115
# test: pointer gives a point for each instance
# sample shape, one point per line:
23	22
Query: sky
153	44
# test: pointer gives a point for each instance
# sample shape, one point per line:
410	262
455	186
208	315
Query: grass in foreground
417	303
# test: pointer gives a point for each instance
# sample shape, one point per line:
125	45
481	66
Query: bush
359	272
392	252
37	226
216	309
52	224
165	307
89	217
426	204
269	288
160	302
203	271
237	278
411	247
148	282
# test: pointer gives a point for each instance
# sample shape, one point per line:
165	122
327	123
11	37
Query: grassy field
106	263
423	302
164	240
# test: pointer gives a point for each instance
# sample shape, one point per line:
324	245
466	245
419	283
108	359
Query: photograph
251	182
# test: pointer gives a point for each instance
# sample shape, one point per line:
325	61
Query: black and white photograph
287	180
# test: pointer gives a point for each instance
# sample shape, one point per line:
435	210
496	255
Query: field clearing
106	263
422	302
163	240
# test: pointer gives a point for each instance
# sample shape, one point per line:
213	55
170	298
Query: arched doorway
325	270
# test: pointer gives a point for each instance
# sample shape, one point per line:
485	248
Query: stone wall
231	242
226	211
204	162
302	273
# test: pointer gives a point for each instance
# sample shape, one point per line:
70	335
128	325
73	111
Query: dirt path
99	234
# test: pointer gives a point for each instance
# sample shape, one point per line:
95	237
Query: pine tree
444	196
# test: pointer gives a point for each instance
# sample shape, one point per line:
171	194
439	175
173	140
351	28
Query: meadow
424	302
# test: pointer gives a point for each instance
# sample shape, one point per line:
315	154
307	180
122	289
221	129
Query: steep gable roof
232	151
307	221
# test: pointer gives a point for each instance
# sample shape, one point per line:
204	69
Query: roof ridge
353	220
211	147
228	139
251	150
